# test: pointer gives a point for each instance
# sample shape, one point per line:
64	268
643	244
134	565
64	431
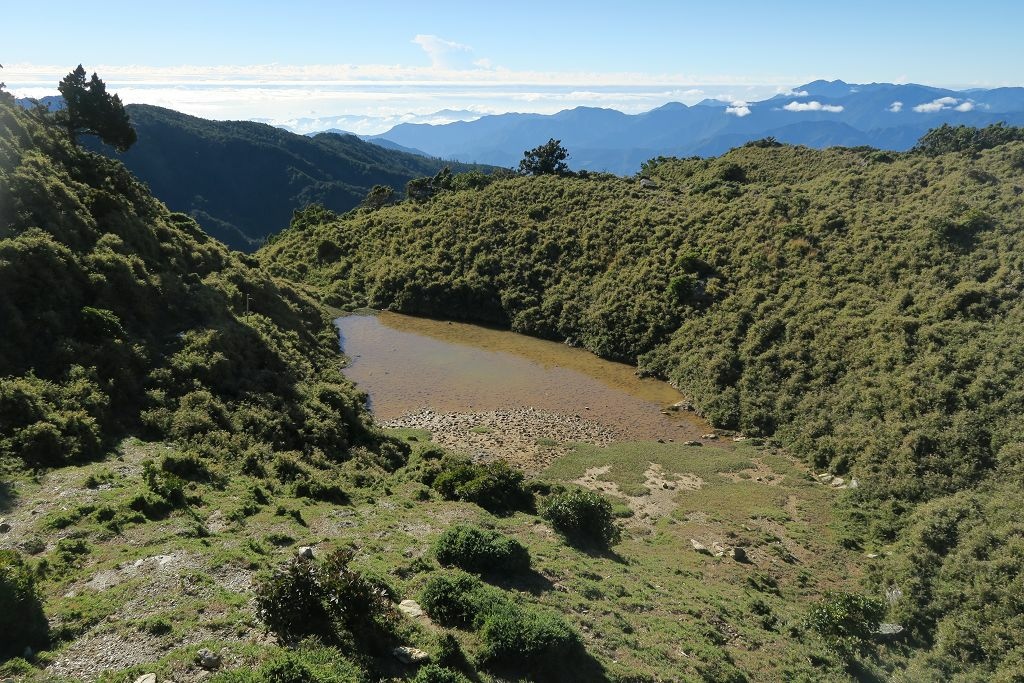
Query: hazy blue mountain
817	114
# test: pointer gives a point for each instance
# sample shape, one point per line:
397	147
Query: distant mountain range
359	124
242	180
817	114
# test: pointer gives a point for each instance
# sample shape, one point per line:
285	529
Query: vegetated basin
405	364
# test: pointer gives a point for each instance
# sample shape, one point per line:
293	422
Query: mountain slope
863	307
242	180
121	317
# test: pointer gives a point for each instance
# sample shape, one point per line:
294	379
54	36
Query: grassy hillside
241	180
863	307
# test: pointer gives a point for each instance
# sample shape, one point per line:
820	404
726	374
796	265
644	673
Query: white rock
305	552
699	547
411	608
146	678
410	655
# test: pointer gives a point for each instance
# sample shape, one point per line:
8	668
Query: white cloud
287	92
447	54
896	107
965	106
813	106
738	108
936	105
796	93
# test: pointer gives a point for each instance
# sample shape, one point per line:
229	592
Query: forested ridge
241	180
863	307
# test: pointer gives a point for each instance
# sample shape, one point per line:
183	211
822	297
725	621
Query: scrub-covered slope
863	306
120	317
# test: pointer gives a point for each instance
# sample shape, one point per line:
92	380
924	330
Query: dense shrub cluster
583	516
496	486
514	637
481	550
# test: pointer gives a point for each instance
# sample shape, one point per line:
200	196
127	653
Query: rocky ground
529	438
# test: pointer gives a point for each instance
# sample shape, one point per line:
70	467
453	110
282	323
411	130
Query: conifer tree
89	109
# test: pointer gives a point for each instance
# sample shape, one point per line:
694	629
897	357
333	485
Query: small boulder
305	553
647	183
146	678
699	547
692	443
739	554
718	549
710	437
208	659
410	655
5	526
411	608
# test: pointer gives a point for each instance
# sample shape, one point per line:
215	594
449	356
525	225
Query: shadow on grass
530	581
7	496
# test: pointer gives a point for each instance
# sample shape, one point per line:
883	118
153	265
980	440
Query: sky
366	66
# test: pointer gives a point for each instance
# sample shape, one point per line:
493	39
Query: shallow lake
406	363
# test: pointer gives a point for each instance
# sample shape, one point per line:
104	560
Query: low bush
432	673
494	486
22	621
582	516
324	599
845	621
538	642
457	599
481	550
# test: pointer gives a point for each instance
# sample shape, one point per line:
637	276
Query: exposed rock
699	547
889	629
4	526
825	477
692	443
892	594
305	552
648	184
208	659
146	678
410	655
411	608
854	483
718	549
710	437
739	554
739	438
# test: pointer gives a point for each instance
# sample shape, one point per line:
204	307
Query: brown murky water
406	363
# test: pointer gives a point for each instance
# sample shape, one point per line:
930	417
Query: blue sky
285	61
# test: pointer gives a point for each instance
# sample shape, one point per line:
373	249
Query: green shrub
22	622
845	621
286	669
495	486
325	599
480	550
538	642
582	516
456	599
433	673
